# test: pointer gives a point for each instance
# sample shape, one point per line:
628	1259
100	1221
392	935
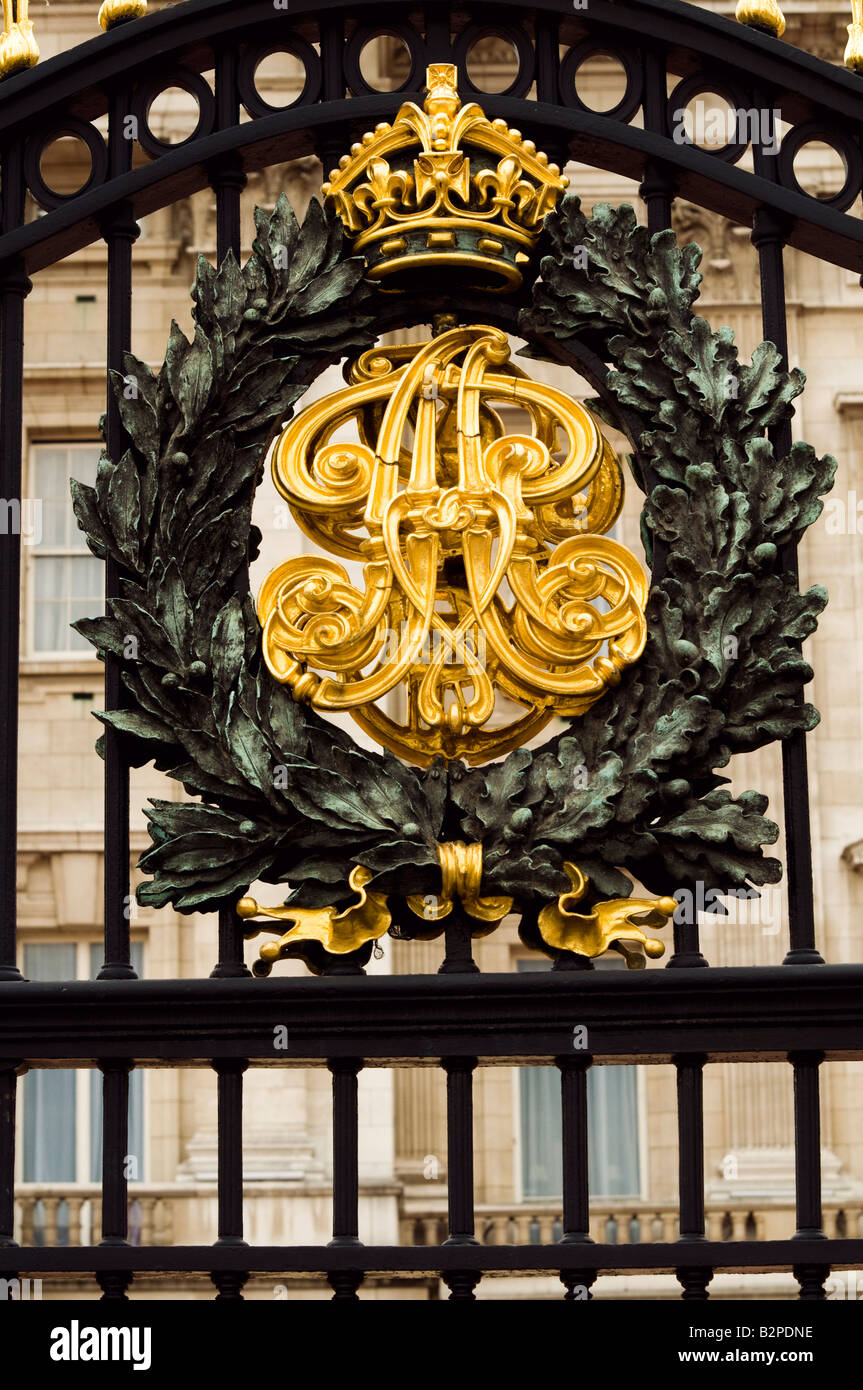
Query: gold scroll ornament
486	573
618	924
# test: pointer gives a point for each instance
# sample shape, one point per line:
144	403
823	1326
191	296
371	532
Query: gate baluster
229	1071
576	1191
807	1168
115	1140
690	1140
345	1071
459	1140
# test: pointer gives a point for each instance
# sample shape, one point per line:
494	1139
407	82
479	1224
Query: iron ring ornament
462	525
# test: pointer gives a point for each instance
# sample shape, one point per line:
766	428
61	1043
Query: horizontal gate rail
725	1013
732	1256
817	100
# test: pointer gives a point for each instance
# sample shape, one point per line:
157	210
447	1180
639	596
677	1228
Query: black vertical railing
8	1095
576	1193
119	230
657	190
331	145
227	177
14	288
459	1139
576	1187
115	1196
230	1170
346	1171
657	185
807	1167
768	237
690	1160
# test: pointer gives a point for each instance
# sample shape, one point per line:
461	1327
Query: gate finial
761	14
18	46
114	12
854	46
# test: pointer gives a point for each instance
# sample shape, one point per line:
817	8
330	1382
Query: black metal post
576	1186
807	1144
768	237
690	1159
8	1093
576	1189
459	1138
807	1169
458	957
227	176
120	230
657	186
346	1172
230	1166
14	288
115	1140
231	963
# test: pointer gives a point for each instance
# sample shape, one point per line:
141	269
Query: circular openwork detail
255	104
517	40
746	120
845	147
75	129
575	59
197	88
357	83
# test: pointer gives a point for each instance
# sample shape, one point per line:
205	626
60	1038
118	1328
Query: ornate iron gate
690	1013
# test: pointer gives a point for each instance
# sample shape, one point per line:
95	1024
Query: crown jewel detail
423	191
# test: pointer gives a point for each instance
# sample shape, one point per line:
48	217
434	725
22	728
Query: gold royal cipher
475	499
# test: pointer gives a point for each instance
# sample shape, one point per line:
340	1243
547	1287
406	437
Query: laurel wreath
174	512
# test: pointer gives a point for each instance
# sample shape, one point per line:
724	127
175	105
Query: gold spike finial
18	46
761	14
114	12
854	46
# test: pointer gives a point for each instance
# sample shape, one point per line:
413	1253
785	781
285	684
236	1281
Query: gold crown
410	198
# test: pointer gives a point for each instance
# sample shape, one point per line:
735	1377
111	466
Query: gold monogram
487	581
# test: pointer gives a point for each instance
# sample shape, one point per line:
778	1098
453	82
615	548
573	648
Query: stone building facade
748	1108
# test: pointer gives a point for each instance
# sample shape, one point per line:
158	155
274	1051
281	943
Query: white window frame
30	653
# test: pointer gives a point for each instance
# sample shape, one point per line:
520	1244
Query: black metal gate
803	1012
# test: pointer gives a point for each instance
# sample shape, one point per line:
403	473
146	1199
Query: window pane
65	589
68	582
612	1118
48	1096
84	577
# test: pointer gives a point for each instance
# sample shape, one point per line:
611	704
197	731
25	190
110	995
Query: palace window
66	580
